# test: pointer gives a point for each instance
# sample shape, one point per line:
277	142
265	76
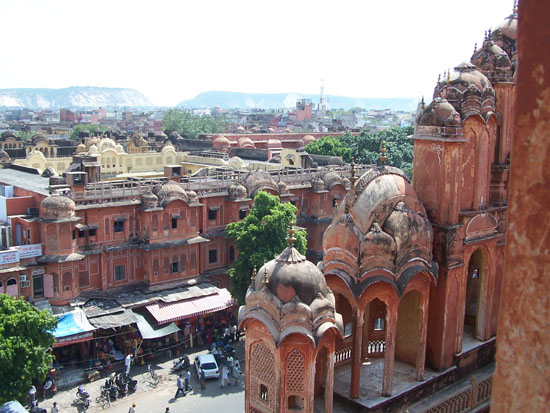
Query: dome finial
383	158
422	104
485	37
475	47
253	278
352	178
438	78
266	277
448	76
515	9
291	231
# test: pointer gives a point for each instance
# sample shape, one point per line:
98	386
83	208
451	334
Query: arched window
11	281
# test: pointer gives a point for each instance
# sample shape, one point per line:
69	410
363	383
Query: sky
173	50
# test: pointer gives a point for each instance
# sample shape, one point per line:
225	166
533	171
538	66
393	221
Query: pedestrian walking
32	393
234	333
132	408
128	363
225	374
54	408
180	387
236	373
187	380
202	379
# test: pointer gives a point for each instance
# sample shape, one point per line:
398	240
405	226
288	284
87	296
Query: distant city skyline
172	51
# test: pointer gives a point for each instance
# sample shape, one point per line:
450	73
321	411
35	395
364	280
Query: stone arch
475	297
12	287
409	327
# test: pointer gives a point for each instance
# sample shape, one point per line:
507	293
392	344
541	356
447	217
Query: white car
207	362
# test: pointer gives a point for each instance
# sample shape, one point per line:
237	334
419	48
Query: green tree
331	146
25	336
186	123
90	128
260	237
366	147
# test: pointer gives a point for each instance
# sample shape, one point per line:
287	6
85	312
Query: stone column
356	354
421	352
329	378
389	352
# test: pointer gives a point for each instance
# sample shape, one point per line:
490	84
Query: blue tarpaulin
73	327
12	407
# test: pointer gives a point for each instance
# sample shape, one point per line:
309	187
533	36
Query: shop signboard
29	251
9	257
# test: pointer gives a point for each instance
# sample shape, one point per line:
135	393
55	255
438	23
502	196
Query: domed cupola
57	208
291	327
493	62
289	294
149	200
237	191
380	230
468	90
168	192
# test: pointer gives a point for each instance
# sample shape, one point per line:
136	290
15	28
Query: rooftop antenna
322	90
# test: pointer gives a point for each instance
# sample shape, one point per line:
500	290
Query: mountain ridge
232	100
72	97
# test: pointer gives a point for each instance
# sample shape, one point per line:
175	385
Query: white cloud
173	50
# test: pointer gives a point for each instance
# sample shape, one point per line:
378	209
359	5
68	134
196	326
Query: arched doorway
408	333
477	269
323	372
374	329
11	287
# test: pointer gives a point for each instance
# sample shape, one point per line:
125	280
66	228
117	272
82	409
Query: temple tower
461	162
291	328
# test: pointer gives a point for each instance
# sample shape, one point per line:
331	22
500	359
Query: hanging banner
9	257
29	251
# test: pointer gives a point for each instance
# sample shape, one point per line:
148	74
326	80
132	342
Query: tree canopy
365	148
186	123
261	236
25	336
329	145
90	128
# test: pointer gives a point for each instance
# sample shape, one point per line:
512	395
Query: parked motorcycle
131	384
182	363
111	389
83	397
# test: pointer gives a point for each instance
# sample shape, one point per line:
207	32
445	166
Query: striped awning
168	312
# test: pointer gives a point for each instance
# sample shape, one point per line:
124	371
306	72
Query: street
149	399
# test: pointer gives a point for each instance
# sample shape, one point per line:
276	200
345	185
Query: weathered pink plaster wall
522	378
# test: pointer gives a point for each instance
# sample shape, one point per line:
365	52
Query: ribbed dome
308	139
291	275
149	200
381	225
439	113
237	191
170	191
221	143
57	207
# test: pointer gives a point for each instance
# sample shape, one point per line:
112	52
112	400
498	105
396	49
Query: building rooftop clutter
25	180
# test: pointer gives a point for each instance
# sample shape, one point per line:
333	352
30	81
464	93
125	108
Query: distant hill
70	97
231	100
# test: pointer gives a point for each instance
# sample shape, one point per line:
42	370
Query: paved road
152	400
